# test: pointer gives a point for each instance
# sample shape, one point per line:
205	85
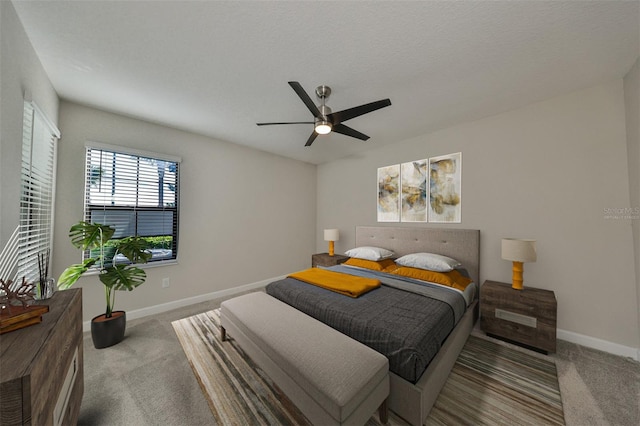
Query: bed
420	368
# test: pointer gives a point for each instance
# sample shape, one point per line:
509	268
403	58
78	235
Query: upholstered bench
331	378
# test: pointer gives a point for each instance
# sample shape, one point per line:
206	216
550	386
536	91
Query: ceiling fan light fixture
323	127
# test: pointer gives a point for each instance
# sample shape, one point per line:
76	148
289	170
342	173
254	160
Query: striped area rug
490	384
493	384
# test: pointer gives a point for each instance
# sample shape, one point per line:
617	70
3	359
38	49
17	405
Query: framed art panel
445	188
389	193
413	193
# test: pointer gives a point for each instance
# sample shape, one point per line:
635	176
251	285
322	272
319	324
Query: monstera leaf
122	277
73	273
134	248
86	236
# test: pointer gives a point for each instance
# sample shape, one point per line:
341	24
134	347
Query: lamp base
331	248
518	269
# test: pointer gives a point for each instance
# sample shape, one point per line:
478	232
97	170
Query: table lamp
331	235
518	251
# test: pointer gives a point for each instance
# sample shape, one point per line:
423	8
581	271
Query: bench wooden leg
383	412
223	334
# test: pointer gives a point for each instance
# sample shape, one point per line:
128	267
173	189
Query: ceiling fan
326	121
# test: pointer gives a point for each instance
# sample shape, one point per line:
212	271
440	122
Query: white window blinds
35	231
137	194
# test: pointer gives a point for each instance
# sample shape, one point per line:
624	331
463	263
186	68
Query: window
137	194
35	230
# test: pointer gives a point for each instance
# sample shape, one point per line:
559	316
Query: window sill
157	264
141	266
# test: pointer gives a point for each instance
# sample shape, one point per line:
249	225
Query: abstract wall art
413	198
445	188
389	193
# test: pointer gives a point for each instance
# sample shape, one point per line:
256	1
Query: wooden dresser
526	317
41	376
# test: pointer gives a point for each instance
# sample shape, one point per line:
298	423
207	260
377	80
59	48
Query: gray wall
20	71
245	215
632	103
547	172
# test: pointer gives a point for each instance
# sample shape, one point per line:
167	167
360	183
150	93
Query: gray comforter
405	320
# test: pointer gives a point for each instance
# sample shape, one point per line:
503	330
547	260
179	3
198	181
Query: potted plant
106	329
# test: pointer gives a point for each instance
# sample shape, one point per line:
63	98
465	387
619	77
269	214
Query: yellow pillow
385	265
451	279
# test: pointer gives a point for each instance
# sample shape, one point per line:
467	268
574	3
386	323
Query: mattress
406	320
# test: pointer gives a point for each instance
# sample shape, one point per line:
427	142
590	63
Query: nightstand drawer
506	326
527	317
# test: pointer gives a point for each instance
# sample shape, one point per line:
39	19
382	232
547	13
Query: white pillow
430	261
370	253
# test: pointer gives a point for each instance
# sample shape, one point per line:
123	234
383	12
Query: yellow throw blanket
345	284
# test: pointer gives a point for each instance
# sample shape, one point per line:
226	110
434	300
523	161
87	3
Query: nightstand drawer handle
517	318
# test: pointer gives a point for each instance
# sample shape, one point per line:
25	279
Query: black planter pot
107	332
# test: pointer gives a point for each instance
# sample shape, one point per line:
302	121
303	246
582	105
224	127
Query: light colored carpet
490	383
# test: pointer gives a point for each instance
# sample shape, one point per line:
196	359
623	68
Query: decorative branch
20	296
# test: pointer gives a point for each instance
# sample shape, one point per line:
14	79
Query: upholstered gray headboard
460	244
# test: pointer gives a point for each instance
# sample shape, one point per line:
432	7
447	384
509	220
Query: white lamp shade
331	235
518	250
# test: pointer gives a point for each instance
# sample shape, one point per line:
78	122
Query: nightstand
526	317
323	259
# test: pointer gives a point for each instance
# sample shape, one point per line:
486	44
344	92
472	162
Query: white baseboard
599	344
164	307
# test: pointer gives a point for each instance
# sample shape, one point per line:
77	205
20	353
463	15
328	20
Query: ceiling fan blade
345	130
306	99
348	114
289	122
312	138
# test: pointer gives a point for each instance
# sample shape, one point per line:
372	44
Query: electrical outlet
165	282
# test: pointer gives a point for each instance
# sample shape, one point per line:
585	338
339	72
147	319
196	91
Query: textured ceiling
216	68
